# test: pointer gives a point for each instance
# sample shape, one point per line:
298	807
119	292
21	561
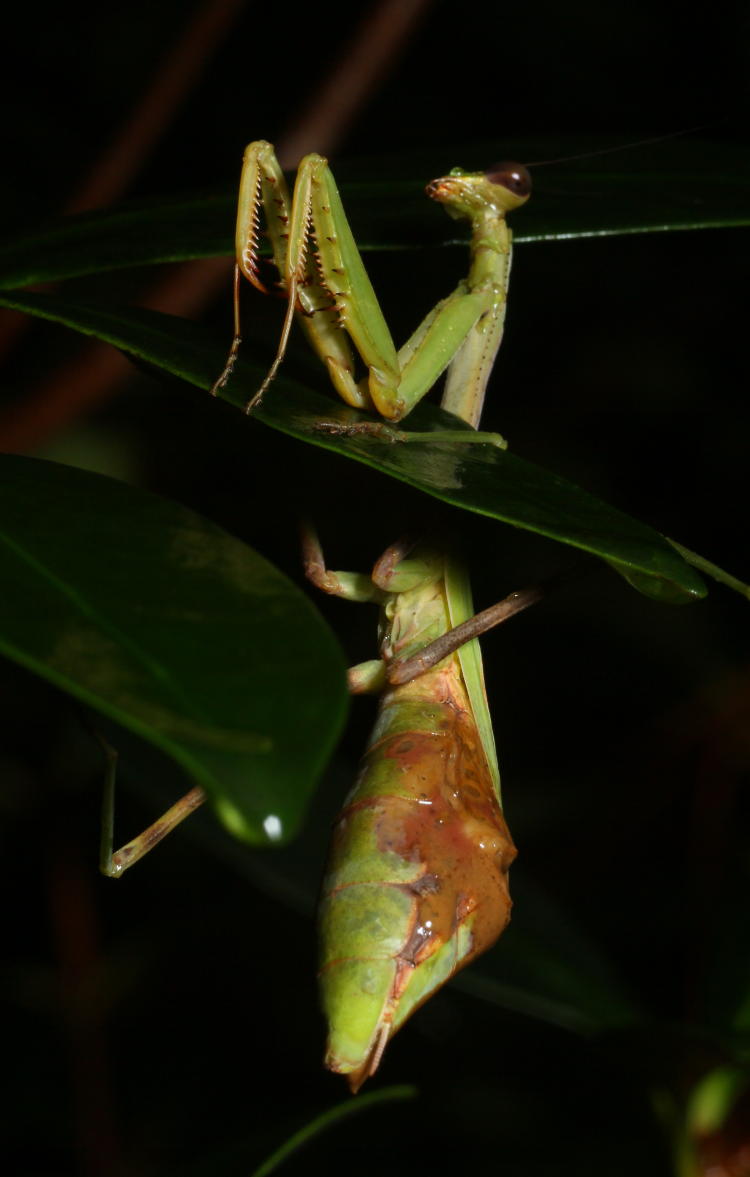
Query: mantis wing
461	608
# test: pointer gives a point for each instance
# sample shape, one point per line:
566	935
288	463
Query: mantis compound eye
513	176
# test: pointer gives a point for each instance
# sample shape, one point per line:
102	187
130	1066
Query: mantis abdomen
416	884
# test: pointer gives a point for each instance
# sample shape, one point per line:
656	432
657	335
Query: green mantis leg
113	865
326	283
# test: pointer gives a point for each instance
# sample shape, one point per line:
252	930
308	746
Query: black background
169	1023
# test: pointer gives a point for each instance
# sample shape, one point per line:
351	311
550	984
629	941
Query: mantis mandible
416	883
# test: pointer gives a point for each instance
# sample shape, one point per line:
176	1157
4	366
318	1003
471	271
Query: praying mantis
335	303
416	884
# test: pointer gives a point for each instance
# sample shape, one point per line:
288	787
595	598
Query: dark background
169	1023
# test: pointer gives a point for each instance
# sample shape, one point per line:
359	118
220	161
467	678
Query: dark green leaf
154	616
683	184
476	477
130	235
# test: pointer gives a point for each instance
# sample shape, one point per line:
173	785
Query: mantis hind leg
113	864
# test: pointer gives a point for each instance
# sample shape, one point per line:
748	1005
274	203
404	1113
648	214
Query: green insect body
416	884
328	288
417	877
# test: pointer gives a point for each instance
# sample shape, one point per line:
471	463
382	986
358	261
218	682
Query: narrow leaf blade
684	184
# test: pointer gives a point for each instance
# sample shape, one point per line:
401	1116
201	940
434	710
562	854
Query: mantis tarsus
416	884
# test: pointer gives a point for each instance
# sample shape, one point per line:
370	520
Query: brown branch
172	83
369	57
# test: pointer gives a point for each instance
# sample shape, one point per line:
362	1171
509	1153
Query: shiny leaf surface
476	477
682	184
154	616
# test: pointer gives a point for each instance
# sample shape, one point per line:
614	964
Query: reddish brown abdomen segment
417	879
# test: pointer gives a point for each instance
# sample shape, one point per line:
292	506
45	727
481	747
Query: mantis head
506	186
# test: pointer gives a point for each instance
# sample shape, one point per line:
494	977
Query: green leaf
480	478
683	184
130	235
678	184
159	619
711	569
713	1097
475	477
